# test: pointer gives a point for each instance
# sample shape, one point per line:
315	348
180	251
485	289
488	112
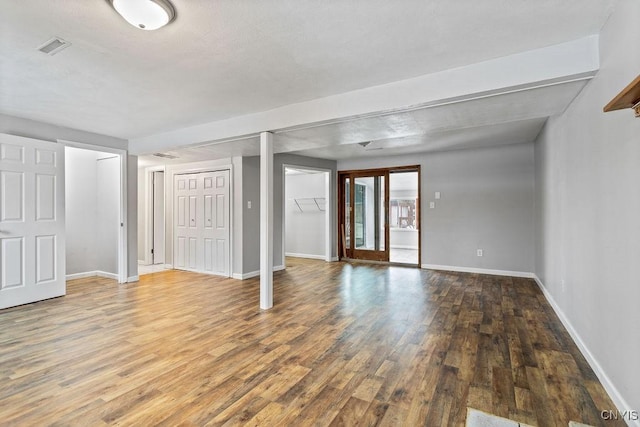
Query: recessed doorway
379	215
306	213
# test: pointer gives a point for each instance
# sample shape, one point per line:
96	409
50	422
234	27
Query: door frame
148	212
170	180
327	212
355	173
123	268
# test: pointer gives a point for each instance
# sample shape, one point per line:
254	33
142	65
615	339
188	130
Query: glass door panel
369	231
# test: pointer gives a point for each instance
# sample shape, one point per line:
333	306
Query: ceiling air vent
165	156
53	46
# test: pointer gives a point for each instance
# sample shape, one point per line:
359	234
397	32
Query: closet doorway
202	222
95	212
379	214
306	213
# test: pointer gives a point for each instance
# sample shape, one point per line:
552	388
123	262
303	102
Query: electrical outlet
437	195
248	204
479	252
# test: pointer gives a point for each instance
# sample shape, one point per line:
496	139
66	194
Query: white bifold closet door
32	233
202	222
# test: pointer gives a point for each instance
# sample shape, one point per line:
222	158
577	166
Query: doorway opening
404	216
306	213
379	215
151	220
94	211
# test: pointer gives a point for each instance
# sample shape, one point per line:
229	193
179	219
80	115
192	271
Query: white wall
588	211
80	209
108	212
304	230
487	203
92	209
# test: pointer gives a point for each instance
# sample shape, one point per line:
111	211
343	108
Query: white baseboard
249	275
334	259
142	262
135	278
309	256
415	248
168	266
606	382
80	275
106	275
478	270
95	273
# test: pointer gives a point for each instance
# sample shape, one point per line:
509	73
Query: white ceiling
227	58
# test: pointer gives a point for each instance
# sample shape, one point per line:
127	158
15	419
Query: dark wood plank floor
343	345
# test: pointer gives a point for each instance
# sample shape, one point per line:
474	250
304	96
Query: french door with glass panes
364	215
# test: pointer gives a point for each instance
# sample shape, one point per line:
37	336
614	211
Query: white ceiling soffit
224	59
491	120
553	66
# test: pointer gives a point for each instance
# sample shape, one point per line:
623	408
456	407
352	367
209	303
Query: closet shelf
310	204
629	97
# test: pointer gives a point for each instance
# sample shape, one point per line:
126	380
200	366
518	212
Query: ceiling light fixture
145	14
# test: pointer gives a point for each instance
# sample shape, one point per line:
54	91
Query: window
402	213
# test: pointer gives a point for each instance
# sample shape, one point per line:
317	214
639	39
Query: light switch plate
437	195
432	205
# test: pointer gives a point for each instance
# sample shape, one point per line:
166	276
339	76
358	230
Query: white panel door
32	245
202	232
185	218
216	222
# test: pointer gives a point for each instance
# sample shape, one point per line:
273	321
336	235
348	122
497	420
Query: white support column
266	220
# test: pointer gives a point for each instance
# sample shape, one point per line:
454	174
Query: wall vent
53	46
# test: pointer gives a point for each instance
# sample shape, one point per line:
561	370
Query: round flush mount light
145	14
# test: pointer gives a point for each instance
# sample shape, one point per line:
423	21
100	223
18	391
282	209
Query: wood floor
343	345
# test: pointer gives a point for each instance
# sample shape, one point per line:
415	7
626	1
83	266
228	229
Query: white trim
107	275
606	382
133	278
309	256
334	259
95	273
148	210
478	270
168	266
251	274
415	248
123	261
74	276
